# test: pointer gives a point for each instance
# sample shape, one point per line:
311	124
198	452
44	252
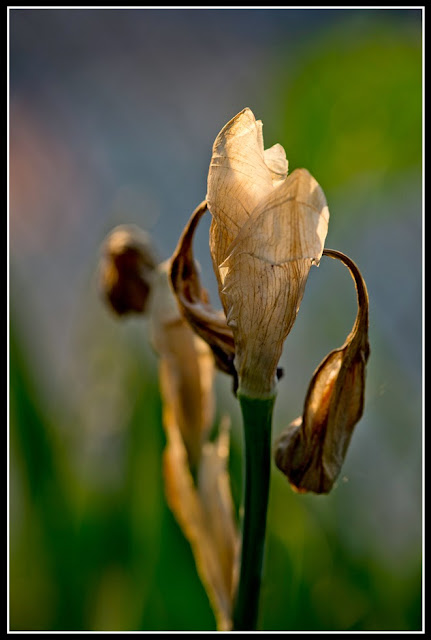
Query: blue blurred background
113	114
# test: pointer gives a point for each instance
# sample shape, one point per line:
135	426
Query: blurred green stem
257	419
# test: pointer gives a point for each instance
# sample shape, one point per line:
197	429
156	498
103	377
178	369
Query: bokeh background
113	114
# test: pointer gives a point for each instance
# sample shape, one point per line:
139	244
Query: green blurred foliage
354	106
88	555
98	558
351	112
316	582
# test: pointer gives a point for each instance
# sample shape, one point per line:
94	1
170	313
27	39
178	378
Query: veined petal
312	449
289	224
265	274
270	299
238	178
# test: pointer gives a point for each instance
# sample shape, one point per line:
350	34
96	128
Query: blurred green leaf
352	106
49	531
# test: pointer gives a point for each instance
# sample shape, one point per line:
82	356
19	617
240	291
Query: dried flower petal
267	231
216	499
195	470
186	367
193	300
238	179
126	269
275	160
265	274
312	450
205	514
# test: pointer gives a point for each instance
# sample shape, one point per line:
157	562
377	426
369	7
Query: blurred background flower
113	113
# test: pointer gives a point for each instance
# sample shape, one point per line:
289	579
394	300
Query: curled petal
264	276
276	161
193	301
312	449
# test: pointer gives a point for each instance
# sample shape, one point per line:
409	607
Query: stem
257	419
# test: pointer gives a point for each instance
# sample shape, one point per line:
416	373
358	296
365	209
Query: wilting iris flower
268	228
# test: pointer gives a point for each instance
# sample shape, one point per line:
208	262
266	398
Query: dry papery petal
206	516
126	269
266	232
312	449
265	273
241	173
193	299
186	366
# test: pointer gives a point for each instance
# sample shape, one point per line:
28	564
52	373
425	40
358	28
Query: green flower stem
257	419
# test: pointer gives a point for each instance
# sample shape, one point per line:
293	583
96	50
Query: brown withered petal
312	449
195	470
193	300
186	366
126	269
216	499
205	514
265	274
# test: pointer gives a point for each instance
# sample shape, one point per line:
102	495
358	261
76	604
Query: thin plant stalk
257	420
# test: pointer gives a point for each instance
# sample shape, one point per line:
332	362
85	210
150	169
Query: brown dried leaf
312	450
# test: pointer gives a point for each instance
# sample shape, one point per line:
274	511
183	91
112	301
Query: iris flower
268	228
